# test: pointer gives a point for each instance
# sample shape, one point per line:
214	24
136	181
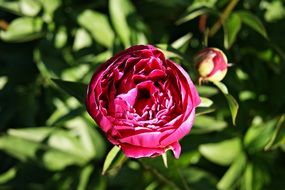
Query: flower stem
215	28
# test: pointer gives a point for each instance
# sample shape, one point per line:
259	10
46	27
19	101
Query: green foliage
49	50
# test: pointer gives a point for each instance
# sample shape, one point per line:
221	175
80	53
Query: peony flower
211	64
143	102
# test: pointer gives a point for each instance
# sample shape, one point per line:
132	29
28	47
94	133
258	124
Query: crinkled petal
180	132
138	152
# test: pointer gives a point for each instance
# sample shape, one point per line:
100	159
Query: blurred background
48	141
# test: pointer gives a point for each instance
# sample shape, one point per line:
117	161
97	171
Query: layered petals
143	102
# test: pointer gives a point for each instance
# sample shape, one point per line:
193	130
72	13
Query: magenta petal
147	139
176	149
180	132
138	152
129	97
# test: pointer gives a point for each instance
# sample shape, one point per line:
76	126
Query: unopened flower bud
211	64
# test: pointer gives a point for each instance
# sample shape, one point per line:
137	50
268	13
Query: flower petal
138	152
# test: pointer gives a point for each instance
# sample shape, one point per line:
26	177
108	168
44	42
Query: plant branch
215	28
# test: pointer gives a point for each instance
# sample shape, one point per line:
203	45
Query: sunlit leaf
3	81
216	152
192	15
50	6
259	135
109	159
30	7
203	111
120	11
207	124
222	87
11	6
90	138
233	107
82	39
84	177
252	21
23	29
278	137
24	150
256	175
205	102
233	174
54	148
233	104
8	175
98	25
274	10
181	41
32	134
61	37
206	90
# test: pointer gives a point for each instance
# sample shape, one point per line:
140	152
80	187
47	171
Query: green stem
159	176
215	28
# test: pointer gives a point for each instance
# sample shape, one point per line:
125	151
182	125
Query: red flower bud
211	64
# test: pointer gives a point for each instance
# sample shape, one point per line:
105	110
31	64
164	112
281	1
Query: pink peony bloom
143	102
211	64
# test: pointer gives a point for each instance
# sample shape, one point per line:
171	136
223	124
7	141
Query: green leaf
274	10
205	102
234	173
181	41
278	137
256	175
232	26
259	135
98	25
193	14
8	175
75	89
207	90
11	6
218	152
120	10
30	7
50	6
32	134
55	149
61	37
76	73
233	107
252	21
247	182
203	111
23	29
207	124
3	81
84	177
24	150
82	39
109	159
222	87
90	138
